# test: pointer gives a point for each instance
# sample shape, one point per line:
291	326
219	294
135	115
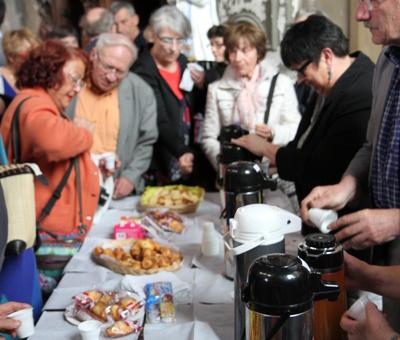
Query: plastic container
210	242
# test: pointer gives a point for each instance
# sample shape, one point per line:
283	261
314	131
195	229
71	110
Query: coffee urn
279	295
256	229
325	257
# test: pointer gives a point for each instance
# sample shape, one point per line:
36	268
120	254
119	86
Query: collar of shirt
393	54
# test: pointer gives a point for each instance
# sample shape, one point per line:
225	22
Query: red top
173	80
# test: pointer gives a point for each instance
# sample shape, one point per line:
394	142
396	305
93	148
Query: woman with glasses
48	80
162	68
330	133
241	96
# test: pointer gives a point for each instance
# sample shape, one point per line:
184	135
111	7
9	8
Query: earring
329	74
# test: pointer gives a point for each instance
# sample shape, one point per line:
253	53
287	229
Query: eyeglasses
170	41
76	80
108	69
301	69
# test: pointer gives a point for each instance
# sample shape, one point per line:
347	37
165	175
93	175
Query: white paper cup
357	309
110	161
90	330
322	218
25	316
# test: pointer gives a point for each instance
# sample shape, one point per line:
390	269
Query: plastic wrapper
159	302
121	312
167	220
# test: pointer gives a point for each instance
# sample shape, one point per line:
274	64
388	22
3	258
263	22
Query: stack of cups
210	245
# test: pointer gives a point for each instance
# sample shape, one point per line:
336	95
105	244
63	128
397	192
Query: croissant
119	328
99	311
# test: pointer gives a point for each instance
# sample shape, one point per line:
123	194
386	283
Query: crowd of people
113	88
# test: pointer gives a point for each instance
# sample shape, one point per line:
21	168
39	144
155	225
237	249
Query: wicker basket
117	267
182	209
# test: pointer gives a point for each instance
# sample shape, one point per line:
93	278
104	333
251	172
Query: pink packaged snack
129	227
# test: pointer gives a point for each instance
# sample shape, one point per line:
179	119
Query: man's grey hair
116	6
170	17
102	25
116	39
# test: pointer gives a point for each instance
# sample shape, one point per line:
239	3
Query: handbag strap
82	228
16	145
269	99
57	193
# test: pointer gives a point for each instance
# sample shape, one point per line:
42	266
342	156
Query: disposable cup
357	309
322	218
110	161
90	330
25	316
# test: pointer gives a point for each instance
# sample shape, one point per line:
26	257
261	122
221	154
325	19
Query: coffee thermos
230	153
256	230
279	294
325	257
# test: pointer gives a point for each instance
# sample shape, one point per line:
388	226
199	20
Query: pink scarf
248	101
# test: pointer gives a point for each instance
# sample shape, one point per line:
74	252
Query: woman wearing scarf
240	97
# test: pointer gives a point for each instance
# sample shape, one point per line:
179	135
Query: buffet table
203	295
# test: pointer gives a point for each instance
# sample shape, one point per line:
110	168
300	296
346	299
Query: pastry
94	295
143	254
120	328
99	311
128	303
177	197
106	299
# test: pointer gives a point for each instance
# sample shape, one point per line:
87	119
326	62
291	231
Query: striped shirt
386	163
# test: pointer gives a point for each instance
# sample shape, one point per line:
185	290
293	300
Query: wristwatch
395	337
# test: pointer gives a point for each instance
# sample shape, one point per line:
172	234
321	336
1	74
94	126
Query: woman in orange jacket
50	77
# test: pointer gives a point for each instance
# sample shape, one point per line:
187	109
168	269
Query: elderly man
378	162
97	20
126	22
122	108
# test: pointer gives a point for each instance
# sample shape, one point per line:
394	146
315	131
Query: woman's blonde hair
16	41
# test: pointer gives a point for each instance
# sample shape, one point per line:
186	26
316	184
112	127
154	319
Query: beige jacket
221	98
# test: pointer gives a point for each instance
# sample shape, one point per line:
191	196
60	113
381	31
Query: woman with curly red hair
48	79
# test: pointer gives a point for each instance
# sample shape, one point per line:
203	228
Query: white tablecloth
203	295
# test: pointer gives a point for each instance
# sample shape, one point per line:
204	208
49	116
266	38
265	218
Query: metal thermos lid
321	252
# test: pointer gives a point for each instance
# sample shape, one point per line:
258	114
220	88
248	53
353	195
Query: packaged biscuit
159	302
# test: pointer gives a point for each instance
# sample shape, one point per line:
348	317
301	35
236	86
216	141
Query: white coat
284	115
